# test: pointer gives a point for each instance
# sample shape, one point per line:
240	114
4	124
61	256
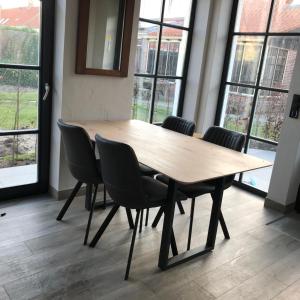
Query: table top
183	158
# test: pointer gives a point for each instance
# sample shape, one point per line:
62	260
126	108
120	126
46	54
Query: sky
296	2
174	8
17	3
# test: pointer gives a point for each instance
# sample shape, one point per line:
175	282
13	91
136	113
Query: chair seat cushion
156	192
191	190
147	171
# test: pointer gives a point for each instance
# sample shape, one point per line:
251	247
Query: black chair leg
224	227
173	244
88	196
158	216
181	209
141	221
129	217
160	212
132	244
147	217
104	196
69	201
191	224
104	225
90	216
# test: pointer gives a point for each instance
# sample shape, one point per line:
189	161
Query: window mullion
258	79
157	64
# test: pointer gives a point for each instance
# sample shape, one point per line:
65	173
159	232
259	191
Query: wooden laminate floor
41	258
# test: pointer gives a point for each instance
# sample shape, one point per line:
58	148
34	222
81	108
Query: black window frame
43	130
156	76
258	87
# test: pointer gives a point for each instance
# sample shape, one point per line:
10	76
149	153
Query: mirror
104	35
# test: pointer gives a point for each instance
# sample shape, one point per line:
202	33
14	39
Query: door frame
44	108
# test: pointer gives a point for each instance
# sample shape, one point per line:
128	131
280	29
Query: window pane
151	9
237	108
146	52
252	15
279	61
245	59
18	160
178	12
286	16
166	99
260	178
141	103
269	115
18	99
172	52
20	32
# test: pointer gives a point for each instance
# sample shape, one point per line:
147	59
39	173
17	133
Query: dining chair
222	137
179	125
84	167
128	188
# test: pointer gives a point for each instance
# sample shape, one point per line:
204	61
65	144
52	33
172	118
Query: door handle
47	91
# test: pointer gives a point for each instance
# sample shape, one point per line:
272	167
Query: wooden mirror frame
82	39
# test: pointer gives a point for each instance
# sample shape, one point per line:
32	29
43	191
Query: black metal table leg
215	213
165	262
168	225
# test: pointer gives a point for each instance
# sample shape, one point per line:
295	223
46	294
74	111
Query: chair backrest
225	138
121	173
179	125
80	154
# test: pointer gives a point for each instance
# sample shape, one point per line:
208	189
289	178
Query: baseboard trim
279	207
64	194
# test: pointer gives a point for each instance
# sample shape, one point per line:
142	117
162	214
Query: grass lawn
141	112
28	110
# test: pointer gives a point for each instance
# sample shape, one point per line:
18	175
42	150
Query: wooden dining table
185	160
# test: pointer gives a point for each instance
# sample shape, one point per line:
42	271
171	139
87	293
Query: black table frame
164	261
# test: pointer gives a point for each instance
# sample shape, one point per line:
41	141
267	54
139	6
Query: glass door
26	32
263	42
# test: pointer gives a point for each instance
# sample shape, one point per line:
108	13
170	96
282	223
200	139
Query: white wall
82	97
206	65
286	171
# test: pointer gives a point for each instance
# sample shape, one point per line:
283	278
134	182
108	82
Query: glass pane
269	115
252	16
18	160
141	103
20	32
260	179
166	99
237	108
286	16
245	59
172	52
151	9
18	99
146	52
178	12
280	61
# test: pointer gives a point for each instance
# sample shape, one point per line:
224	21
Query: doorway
263	42
26	51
